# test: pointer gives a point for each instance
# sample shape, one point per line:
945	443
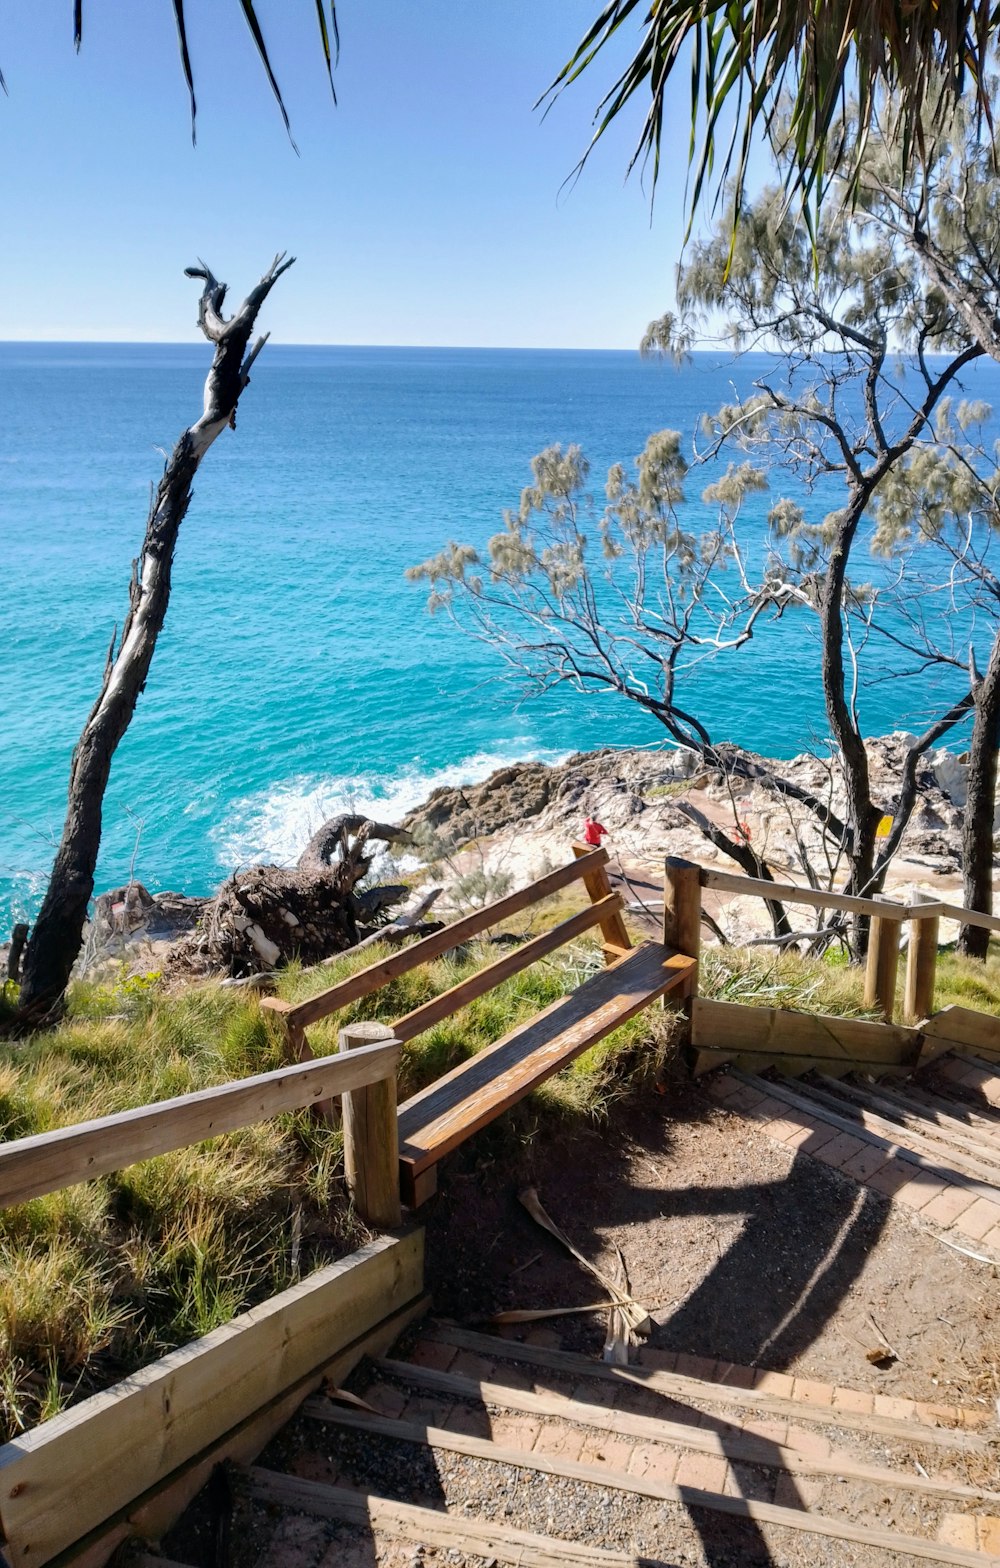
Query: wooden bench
447	1112
443	1115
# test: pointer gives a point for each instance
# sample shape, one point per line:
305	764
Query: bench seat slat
447	1112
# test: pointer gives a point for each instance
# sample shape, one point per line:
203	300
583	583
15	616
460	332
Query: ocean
299	671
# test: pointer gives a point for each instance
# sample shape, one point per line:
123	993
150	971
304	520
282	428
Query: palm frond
186	62
328	30
746	55
324	34
250	17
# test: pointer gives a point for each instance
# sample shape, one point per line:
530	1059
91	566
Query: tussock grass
102	1277
760	977
965	984
756	977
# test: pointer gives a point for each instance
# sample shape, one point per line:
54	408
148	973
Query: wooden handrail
817	898
300	1015
523	957
49	1161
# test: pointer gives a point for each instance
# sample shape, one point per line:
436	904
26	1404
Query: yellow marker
884	828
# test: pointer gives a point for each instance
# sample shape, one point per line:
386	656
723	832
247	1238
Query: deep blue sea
299	670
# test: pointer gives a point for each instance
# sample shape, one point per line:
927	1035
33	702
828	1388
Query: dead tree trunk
57	934
980	807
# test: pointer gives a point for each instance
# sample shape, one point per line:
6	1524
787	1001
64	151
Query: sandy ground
740	1249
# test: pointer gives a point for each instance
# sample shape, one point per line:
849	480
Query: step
888	1141
473	1094
972	1074
435	1527
727	1447
945	1196
930	1142
982	1119
935	1118
924	1425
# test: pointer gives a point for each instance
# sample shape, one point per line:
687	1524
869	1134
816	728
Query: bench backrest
604	910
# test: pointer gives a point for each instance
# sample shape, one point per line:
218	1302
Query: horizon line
717	349
500	348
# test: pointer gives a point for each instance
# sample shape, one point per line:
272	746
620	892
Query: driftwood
333	837
265	916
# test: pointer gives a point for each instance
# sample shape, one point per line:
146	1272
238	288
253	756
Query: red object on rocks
593	832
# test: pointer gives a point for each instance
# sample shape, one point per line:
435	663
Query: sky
431	206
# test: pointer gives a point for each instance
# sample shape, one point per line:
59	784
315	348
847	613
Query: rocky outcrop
636	795
609	783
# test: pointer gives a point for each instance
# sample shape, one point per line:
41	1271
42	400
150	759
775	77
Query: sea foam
275	825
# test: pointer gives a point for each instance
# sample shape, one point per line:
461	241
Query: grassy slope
104	1276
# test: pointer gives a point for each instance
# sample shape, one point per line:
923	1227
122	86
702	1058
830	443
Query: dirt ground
740	1250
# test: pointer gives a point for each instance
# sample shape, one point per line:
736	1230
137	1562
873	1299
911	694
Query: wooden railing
605	911
682	912
366	1078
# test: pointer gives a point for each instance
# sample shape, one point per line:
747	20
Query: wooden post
682	906
882	965
371	1138
921	962
616	938
296	1045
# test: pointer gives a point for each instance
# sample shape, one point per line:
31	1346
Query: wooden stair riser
892	1147
459	1532
697	1392
731	1445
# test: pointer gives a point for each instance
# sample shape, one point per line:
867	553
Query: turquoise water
298	669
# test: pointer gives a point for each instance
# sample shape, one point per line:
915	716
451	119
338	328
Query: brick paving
940	1195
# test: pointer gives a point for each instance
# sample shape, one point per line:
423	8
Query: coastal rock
522	819
608	784
131	924
951	774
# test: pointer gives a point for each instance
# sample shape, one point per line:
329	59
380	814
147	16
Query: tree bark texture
57	933
980	806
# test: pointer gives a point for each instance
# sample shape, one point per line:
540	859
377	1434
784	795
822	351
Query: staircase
930	1144
472	1449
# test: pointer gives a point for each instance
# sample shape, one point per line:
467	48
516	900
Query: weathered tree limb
57	934
334	834
743	855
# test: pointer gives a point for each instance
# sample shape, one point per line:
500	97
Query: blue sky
428	208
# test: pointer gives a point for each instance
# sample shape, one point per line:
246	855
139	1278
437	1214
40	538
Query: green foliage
750	61
134	1263
129	1265
327	30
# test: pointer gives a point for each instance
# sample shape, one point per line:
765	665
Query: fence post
921	962
615	937
371	1138
682	906
882	965
682	928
